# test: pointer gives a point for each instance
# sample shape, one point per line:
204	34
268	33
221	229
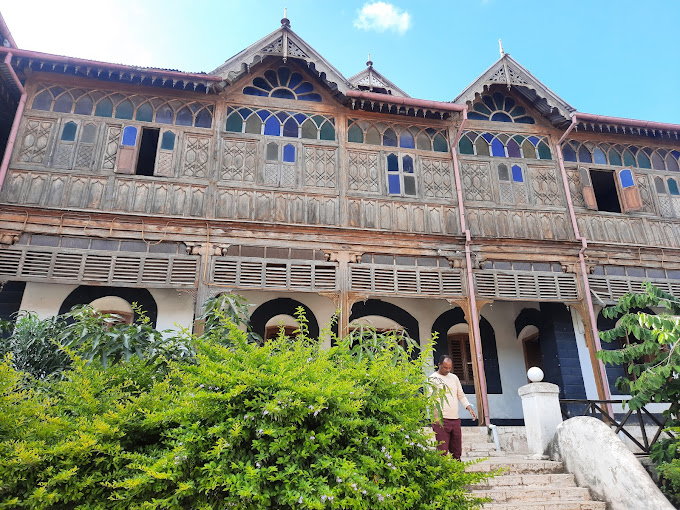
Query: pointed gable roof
371	79
287	44
507	71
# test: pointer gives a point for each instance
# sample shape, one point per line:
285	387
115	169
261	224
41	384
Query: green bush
282	425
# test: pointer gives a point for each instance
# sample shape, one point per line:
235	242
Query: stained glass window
129	136
626	177
499	108
168	141
517	173
673	187
282	84
69	132
503	145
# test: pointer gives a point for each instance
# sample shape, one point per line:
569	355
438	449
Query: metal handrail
595	407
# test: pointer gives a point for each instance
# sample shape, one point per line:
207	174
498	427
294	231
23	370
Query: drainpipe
604	394
474	315
17	119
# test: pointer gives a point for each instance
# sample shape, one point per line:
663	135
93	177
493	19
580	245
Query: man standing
449	435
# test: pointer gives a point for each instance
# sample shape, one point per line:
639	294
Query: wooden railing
598	409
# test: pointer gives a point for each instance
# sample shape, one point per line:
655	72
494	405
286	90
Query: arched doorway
101	297
270	313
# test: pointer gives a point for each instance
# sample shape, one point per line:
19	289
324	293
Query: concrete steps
526	484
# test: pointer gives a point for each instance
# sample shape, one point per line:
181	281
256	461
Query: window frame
400	173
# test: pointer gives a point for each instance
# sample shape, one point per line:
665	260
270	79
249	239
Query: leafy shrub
282	425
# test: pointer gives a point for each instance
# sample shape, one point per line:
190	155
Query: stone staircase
526	484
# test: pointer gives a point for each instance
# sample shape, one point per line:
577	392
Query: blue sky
614	58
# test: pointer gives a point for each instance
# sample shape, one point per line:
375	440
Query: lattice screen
260	273
389	279
132	269
527	285
608	289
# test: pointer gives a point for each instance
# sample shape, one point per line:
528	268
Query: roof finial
285	22
500	47
370	62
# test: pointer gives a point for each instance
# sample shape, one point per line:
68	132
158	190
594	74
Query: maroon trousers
449	437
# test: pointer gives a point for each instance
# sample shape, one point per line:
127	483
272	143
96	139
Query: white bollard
542	415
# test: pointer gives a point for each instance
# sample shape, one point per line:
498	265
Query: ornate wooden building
502	221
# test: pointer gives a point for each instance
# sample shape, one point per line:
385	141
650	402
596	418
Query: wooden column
344	298
600	375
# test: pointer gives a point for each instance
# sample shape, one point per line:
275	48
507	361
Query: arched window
168	141
282	84
499	108
124	110
129	136
69	132
63	103
42	101
104	108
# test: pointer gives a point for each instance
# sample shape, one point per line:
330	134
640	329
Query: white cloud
381	16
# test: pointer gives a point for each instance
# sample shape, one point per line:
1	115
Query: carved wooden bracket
333	296
343	256
9	238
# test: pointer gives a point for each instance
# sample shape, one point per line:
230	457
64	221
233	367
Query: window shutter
587	188
127	152
164	156
630	194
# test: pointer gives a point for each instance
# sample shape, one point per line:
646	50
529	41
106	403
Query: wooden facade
275	174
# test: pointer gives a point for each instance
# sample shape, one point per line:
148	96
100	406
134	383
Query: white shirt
453	392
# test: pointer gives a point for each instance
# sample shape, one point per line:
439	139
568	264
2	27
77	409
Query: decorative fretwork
575	188
363	172
195	157
643	186
515	77
320	167
164	164
436	178
36	138
622	155
275	47
63	155
477	182
544	186
499	108
84	156
111	148
238	160
102	103
407	137
295	51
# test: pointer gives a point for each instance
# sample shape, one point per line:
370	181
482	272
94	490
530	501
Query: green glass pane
643	160
614	158
479	107
519	139
373	136
104	108
518	111
309	129
544	151
319	119
439	144
327	132
144	113
482	147
124	110
355	134
234	123
465	146
254	125
628	159
423	142
529	150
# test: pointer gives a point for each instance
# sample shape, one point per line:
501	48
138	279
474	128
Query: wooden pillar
344	298
600	375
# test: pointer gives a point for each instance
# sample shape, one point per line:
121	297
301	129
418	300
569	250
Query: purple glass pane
513	149
203	119
42	101
63	103
672	163
263	114
569	153
165	114
406	140
497	148
304	87
390	138
252	91
289	153
407	162
290	128
295	80
584	155
184	117
272	126
501	117
83	106
300	117
283	94
657	162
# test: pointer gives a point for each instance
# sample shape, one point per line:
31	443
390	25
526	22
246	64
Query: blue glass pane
497	148
168	141
271	77
129	136
144	113
626	177
407	163
43	101
390	138
392	163
272	126
283	116
673	187
599	156
284	75
245	112
584	155
289	153
498	99
406	140
477	116
261	83
295	80
252	91
304	87
290	128
513	149
283	94
300	117
524	120
488	101
393	184
203	119
534	140
310	97
517	173
104	108
263	114
69	132
63	103
569	153
676	154
487	136
509	104
501	117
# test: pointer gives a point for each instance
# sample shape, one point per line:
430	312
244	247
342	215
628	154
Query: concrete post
542	415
